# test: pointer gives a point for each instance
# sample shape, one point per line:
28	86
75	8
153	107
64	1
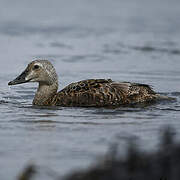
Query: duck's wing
134	92
102	92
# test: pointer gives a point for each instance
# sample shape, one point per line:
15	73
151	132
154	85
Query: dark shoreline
163	164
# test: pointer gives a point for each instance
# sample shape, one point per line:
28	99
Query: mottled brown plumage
101	93
86	93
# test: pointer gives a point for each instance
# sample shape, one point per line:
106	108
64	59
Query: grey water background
136	41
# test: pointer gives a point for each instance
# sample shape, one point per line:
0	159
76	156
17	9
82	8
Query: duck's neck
45	93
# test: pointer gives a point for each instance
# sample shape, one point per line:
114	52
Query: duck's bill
20	79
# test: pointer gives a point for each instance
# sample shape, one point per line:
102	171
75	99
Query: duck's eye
36	67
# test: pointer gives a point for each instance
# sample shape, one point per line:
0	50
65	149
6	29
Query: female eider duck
86	93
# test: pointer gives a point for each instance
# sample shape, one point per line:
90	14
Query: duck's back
103	92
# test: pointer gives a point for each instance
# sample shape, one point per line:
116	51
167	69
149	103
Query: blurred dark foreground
163	164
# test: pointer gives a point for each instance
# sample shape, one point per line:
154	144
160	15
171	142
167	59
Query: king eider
86	93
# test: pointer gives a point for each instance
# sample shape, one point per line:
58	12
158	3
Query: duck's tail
163	97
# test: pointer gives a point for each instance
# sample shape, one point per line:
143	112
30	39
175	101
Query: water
137	41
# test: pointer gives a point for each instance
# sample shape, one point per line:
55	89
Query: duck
85	93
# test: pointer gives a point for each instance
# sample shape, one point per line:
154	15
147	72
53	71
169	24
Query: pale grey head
43	72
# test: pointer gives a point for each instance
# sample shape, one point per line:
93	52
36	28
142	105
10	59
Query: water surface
137	41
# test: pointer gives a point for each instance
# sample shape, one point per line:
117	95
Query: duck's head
41	71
